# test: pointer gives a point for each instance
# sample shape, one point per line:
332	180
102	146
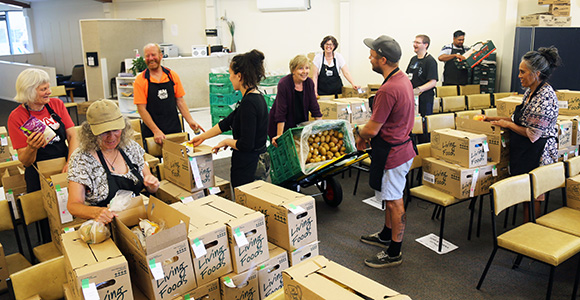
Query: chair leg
575	290
434	212
441	228
517	262
550	283
356	182
546	203
28	243
479	215
489	261
507	214
515	215
438	212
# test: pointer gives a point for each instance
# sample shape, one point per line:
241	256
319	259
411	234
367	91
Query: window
14	37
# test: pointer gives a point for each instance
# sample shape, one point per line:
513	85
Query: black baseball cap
385	46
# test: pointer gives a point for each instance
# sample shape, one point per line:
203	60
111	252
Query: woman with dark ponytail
533	124
248	122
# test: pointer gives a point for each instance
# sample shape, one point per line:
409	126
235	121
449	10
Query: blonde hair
27	83
152	45
297	62
89	142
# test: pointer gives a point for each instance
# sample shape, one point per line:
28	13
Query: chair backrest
136	124
440	121
155	150
5	218
478	101
418	126
78	73
491	112
547	178
445	91
44	279
424	151
510	191
452	103
468	114
57	91
572	166
32	207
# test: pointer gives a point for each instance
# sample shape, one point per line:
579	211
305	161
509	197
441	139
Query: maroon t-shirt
394	108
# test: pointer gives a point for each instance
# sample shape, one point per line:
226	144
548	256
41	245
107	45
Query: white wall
56	30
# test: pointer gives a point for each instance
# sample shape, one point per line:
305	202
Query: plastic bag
319	126
93	232
121	201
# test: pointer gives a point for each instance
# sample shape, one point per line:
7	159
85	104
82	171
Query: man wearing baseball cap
389	130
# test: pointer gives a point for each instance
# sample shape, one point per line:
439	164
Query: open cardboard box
100	264
166	251
190	173
320	278
290	216
208	229
14	186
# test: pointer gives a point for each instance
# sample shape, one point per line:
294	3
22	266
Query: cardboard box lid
50	167
478	126
227	206
273	194
514	99
327	278
177	148
460	133
81	254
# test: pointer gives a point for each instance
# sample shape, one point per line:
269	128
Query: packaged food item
478	117
93	232
35	125
188	147
146	228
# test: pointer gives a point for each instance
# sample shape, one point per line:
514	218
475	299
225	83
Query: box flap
224	205
176	224
77	251
268	192
50	167
460	133
477	126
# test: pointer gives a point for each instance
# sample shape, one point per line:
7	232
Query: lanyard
391	74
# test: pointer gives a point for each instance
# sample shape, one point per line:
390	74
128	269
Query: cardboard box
191	173
240	286
102	265
222	188
305	253
321	278
240	222
209	230
566	153
209	291
478	101
270	272
470	89
560	10
564	133
452	103
458	181
3	270
536	20
290	216
569	102
506	106
14	186
361	112
166	251
446	91
54	186
497	138
171	193
544	2
575	128
573	192
333	110
5	145
562	21
460	147
349	92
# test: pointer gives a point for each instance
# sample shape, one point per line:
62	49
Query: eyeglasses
417	43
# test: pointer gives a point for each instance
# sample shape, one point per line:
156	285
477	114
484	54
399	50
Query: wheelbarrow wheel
331	191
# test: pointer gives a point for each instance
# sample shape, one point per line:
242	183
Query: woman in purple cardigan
294	100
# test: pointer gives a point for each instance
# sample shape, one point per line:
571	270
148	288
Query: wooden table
70	90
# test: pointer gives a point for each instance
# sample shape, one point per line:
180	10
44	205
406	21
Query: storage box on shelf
125	94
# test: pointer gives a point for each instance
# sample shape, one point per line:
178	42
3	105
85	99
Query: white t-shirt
319	58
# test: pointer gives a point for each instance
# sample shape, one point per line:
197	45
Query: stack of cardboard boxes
558	15
353	110
6	151
459	165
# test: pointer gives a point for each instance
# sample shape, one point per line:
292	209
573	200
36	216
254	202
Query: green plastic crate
285	164
219	78
271	80
216	119
270	99
220	110
225	99
221	88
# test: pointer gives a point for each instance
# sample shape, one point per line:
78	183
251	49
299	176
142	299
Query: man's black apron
380	153
525	155
162	106
55	149
329	82
244	164
453	75
116	182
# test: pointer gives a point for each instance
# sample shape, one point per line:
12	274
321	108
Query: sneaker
375	240
382	260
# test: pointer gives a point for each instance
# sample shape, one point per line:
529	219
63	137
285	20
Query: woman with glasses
327	65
